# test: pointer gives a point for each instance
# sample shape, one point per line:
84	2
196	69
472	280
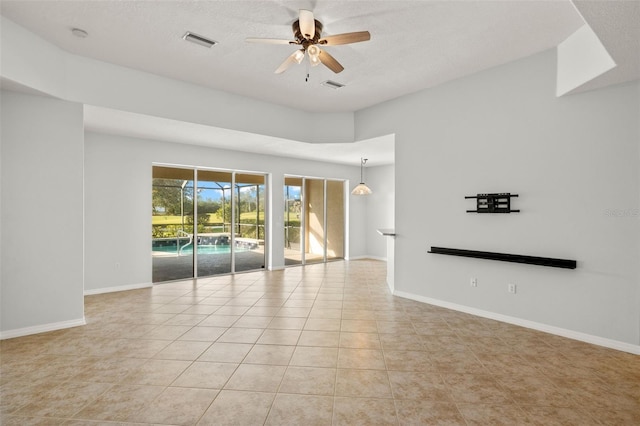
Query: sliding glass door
206	222
172	223
335	219
214	222
249	222
314	220
292	221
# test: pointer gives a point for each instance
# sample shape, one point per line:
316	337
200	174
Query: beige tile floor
322	344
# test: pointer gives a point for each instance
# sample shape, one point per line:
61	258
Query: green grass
213	218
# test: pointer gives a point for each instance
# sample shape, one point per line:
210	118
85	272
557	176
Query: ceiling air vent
198	39
332	84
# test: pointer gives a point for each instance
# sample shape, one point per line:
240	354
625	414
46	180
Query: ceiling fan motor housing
304	41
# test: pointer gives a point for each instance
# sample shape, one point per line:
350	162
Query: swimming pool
202	249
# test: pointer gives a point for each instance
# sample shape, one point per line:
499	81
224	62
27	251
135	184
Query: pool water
202	249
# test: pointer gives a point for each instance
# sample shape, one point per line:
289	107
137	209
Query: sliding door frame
234	200
303	218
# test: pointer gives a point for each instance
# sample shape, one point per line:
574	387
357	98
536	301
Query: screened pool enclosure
206	222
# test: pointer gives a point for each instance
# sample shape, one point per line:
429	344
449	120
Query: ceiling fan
307	34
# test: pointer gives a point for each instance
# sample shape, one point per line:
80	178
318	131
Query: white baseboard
118	288
558	331
19	332
382	259
366	257
276	268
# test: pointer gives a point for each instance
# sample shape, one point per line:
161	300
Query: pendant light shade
361	188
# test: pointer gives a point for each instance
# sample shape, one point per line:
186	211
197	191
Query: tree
170	198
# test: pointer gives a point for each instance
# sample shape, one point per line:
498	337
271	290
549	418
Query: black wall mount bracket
493	203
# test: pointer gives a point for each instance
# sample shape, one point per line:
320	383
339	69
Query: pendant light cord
363	161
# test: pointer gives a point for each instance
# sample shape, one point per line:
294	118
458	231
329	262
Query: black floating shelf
515	258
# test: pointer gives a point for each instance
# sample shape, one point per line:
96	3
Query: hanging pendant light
361	188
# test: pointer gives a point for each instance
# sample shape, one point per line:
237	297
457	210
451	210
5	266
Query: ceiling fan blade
269	41
307	24
330	62
287	63
345	38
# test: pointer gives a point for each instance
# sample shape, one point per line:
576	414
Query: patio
169	268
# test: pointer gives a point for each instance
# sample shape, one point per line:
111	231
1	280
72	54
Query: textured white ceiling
617	24
414	44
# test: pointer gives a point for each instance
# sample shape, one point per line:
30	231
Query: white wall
118	201
572	160
42	214
380	208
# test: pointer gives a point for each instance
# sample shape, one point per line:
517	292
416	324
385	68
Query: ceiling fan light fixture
199	40
299	55
313	50
315	61
314	55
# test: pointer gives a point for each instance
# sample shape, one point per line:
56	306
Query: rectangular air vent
332	84
198	39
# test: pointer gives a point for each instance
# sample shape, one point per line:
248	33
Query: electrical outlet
511	288
474	282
